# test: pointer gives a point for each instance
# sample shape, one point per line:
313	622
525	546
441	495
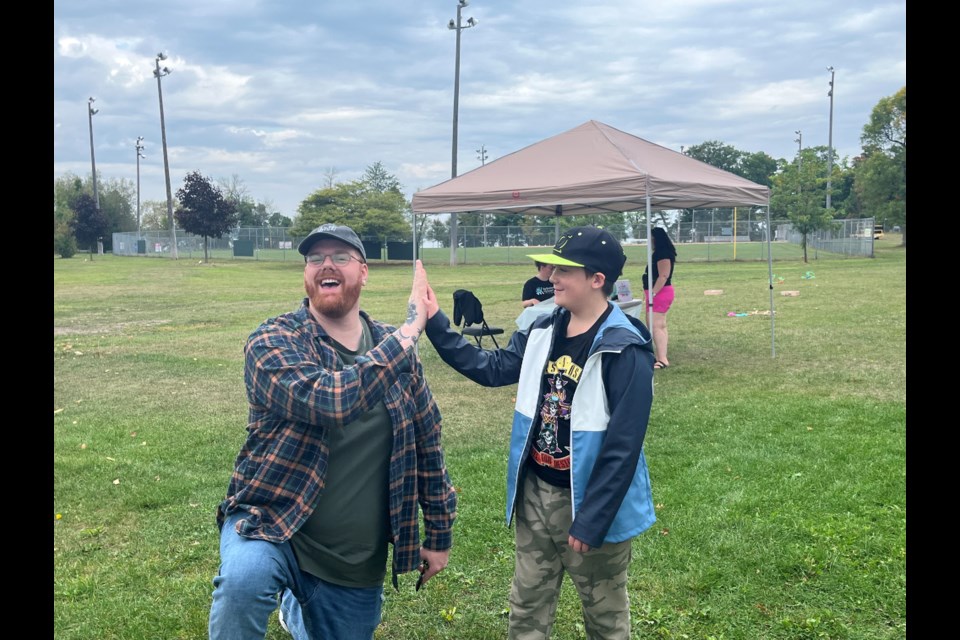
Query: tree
65	190
844	200
438	231
881	186
118	205
799	191
329	177
116	209
277	219
203	210
423	227
250	213
887	129
373	206
377	179
880	179
64	244
329	204
757	167
717	154
153	215
89	224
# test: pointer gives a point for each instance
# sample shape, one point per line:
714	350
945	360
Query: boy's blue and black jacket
610	485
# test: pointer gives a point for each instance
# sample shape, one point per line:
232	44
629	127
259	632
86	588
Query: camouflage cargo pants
543	519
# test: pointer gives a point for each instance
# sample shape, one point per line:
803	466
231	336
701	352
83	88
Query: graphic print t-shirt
537	288
550	450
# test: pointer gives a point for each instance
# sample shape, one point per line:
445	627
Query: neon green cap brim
549	258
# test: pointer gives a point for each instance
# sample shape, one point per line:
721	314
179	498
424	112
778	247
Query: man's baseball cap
592	248
333	231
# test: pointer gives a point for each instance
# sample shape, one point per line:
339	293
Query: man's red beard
329	305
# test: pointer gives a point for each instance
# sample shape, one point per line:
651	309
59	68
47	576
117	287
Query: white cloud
279	92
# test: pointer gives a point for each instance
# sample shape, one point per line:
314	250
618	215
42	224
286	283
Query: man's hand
416	305
409	332
436	562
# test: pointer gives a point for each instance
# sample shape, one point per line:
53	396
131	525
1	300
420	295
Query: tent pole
415	252
649	308
773	346
734	234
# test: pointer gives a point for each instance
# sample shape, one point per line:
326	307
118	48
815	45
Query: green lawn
779	481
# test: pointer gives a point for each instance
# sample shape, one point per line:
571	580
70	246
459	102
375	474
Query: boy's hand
431	302
577	545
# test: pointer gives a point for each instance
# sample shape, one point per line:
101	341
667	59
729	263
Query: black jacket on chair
466	307
468	310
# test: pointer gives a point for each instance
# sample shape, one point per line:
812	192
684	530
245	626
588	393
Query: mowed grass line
779	481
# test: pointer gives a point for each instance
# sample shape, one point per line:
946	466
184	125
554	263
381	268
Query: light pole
482	157
799	141
93	161
458	27
159	73
139	148
830	138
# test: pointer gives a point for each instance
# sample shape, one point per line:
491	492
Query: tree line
872	184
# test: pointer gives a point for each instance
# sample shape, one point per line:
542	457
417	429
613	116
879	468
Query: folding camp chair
468	310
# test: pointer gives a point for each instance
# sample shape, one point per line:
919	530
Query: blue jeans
252	574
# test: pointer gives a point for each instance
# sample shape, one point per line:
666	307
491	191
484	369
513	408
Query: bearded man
343	447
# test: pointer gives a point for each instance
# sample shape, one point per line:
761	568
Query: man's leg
538	571
327	610
252	572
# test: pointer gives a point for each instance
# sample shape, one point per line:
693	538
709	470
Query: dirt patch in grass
115	327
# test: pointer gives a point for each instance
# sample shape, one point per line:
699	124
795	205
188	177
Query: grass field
780	482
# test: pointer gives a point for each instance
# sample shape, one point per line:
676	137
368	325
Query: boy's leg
538	570
600	576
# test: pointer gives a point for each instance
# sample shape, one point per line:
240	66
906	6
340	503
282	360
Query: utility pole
93	168
139	148
458	27
482	157
799	141
93	159
159	73
830	138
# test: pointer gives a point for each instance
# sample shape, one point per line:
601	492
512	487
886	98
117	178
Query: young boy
538	288
577	478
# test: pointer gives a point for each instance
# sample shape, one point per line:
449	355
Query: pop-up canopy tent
595	168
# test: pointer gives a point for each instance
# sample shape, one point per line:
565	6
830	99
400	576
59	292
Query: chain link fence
706	239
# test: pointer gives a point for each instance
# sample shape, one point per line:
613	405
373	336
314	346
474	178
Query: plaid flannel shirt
298	391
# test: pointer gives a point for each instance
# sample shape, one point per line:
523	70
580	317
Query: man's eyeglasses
340	259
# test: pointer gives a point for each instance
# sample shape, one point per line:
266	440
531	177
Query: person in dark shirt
664	257
538	288
577	481
342	454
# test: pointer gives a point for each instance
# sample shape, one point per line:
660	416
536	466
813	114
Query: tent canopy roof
592	168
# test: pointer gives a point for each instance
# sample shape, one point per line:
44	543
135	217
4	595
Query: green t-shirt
345	539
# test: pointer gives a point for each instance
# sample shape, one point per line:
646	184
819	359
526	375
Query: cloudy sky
284	94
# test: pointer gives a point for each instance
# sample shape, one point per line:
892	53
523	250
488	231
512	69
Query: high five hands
421	306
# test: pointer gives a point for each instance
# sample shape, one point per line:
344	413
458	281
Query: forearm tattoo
411	313
411	318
